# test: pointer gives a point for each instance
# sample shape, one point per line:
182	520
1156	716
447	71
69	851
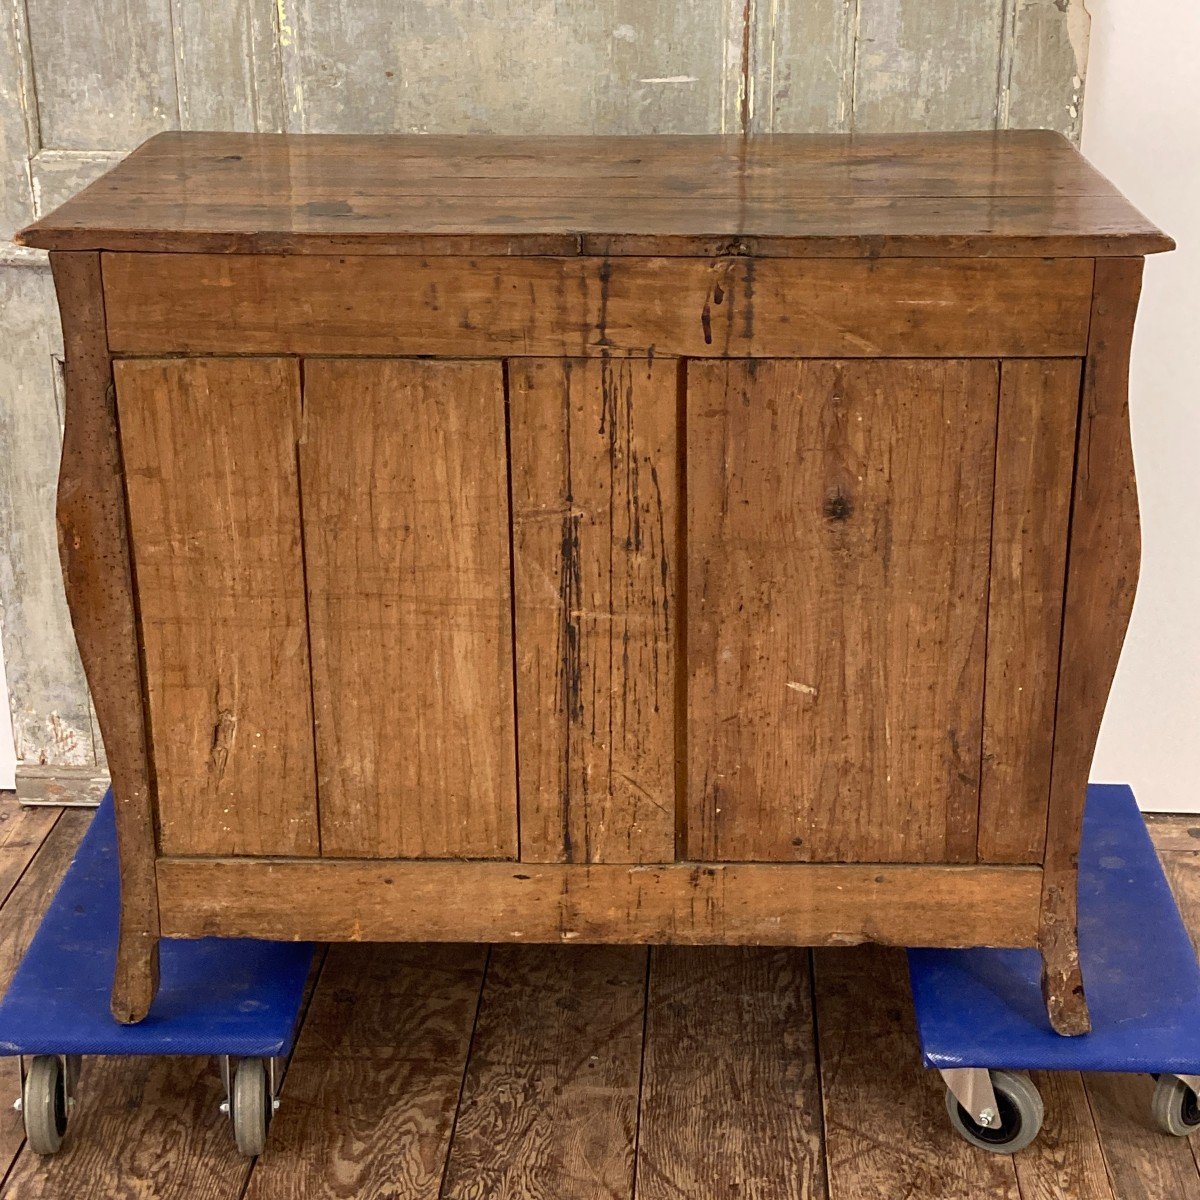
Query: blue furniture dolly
234	998
982	1021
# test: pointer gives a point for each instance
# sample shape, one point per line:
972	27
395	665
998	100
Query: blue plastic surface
217	996
983	1008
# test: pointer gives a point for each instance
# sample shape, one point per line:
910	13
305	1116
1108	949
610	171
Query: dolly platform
234	998
981	1017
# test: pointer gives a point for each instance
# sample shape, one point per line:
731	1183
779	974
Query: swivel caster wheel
1175	1107
251	1105
1014	1124
46	1100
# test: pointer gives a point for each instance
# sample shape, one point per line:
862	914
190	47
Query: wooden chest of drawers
689	540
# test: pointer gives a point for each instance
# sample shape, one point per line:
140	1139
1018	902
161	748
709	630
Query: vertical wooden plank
1045	65
1067	1160
105	73
407	550
594	512
228	69
926	64
802	65
886	1128
1142	1163
1035	453
94	548
450	66
550	1100
1102	571
47	690
372	1088
838	525
210	467
730	1099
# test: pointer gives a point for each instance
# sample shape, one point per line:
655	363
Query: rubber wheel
1175	1107
44	1104
1020	1111
251	1107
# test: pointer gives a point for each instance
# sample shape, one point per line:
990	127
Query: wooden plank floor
581	1073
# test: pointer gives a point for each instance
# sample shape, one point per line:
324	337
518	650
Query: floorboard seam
637	1121
462	1083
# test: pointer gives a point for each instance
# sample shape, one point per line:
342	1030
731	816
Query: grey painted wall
84	81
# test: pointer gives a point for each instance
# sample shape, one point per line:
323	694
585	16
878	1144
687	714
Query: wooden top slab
1014	193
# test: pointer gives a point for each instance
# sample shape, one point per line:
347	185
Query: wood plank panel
730	1100
550	1100
372	1089
594	465
485	307
406	546
685	903
1035	456
839	518
886	1129
210	465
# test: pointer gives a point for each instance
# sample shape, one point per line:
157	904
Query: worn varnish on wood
707	532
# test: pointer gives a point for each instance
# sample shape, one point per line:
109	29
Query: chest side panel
209	449
839	519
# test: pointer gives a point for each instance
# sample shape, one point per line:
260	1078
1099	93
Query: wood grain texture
1023	193
210	468
370	1095
549	1106
94	547
1142	1163
838	526
142	1129
1066	1162
886	1131
686	903
407	556
22	831
730	1099
556	307
594	469
1102	570
31	871
1035	444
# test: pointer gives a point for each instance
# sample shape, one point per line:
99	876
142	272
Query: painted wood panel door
406	535
839	519
209	447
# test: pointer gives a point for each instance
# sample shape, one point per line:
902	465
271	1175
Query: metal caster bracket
972	1088
70	1064
274	1081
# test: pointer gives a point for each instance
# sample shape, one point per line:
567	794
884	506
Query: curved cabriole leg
93	541
1102	569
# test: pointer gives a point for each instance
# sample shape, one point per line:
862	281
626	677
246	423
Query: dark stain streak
570	588
706	323
748	304
605	279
